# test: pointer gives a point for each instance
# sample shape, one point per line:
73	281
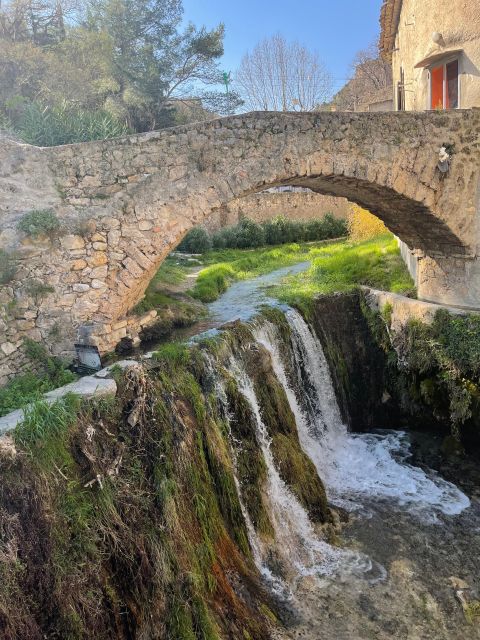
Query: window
444	86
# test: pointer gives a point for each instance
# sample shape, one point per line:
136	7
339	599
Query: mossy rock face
128	524
295	467
251	468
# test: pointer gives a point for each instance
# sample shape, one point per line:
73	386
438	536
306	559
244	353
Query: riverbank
227	460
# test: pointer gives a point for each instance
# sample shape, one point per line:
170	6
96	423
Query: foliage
446	354
85	70
7	267
48	373
39	222
65	124
45	425
213	281
343	266
363	225
197	240
248	234
370	74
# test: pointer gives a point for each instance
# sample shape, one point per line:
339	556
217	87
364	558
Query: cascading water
301	551
353	466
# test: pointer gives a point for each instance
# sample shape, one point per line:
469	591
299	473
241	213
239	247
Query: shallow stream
406	564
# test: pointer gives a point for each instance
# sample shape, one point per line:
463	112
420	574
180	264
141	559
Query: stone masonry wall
266	205
124	204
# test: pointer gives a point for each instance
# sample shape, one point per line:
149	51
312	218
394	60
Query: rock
72	242
97	259
81	288
78	265
8	348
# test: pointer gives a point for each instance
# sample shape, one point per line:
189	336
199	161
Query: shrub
363	225
225	238
197	240
279	230
39	222
7	267
248	234
64	124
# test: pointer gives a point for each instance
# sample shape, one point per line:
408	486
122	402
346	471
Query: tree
282	76
129	58
42	22
369	75
154	62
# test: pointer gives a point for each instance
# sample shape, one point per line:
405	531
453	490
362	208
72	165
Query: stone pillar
452	281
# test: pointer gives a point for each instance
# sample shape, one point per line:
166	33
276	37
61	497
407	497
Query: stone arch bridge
124	204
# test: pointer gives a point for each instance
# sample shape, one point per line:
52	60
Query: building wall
296	205
459	23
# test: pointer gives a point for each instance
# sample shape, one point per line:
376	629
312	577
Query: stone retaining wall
266	205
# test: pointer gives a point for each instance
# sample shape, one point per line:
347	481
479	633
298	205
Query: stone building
434	49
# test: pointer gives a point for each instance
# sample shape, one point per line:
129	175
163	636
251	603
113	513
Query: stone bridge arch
124	204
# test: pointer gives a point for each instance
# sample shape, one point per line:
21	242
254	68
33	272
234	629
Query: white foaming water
277	585
300	549
353	466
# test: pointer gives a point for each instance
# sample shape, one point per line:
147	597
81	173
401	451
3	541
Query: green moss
251	468
294	466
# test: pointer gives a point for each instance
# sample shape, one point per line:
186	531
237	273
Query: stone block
78	265
97	259
8	348
70	242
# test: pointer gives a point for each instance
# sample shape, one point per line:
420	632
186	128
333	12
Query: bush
363	225
224	239
51	126
197	240
248	234
279	230
7	267
39	222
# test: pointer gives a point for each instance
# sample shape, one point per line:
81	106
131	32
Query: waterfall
301	550
356	468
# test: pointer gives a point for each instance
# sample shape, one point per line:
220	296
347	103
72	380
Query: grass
342	266
30	386
228	265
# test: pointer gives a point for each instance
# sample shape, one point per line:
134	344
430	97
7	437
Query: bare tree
369	74
282	76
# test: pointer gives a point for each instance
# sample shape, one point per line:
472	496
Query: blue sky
334	28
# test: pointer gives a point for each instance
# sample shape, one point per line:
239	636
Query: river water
408	556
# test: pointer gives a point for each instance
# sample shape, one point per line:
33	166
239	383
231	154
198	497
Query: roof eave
389	21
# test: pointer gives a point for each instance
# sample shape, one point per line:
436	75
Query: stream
406	563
